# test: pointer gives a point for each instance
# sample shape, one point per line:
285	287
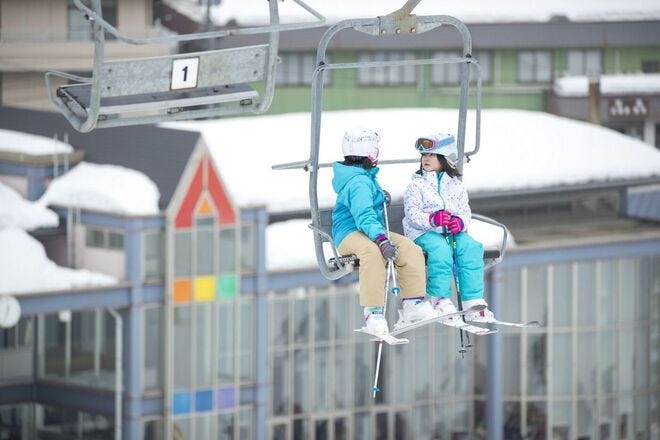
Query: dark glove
387	248
455	225
388	198
440	218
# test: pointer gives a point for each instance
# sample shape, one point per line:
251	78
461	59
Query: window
227	248
80	28
393	75
154	261
248	249
94	238
103	238
650	66
182	254
153	348
584	62
296	69
534	66
450	73
204	261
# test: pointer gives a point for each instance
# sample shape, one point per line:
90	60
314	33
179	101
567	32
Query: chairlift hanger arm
202	35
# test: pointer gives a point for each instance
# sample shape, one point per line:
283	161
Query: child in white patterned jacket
437	207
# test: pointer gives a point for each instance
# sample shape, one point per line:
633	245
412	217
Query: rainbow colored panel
182	290
227	286
205	288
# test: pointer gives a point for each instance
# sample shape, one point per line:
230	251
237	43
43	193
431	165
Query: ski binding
398	329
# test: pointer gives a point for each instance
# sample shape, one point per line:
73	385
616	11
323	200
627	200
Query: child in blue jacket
358	228
436	208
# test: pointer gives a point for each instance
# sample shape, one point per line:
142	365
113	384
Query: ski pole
375	388
391	273
465	337
395	286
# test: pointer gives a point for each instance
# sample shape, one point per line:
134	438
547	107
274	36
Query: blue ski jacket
359	204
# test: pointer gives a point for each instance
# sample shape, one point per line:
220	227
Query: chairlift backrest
175	87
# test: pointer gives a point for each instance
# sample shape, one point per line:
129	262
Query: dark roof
160	153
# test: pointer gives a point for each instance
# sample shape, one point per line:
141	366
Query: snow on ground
278	239
519	150
17	212
32	144
578	86
474	11
25	268
106	188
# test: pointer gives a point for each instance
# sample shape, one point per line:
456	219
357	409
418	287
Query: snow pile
520	150
106	188
638	83
24	267
279	245
15	211
278	239
18	142
255	12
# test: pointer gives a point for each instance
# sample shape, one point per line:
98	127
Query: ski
387	337
398	329
514	324
474	329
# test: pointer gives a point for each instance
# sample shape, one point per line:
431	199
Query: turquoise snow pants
439	265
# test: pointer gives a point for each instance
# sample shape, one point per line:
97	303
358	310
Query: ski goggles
433	145
425	144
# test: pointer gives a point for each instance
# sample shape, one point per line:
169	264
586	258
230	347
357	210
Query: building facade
200	340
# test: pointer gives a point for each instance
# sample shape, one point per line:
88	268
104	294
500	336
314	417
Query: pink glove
455	225
440	218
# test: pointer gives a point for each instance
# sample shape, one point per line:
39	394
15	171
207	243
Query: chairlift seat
169	100
179	83
395	215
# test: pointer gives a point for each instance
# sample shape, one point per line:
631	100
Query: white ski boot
445	306
484	315
375	323
415	310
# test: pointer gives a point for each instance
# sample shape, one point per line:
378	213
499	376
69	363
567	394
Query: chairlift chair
175	87
400	22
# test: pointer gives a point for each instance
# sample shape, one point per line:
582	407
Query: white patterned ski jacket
431	192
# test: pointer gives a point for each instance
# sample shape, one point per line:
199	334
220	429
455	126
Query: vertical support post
119	359
133	337
495	402
261	318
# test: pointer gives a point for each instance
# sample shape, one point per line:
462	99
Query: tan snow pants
409	264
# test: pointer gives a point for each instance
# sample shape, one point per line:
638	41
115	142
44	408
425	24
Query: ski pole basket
175	87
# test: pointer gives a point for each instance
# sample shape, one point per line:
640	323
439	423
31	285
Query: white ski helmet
439	143
361	142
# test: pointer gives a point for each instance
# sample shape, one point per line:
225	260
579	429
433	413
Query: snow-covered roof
25	268
15	211
639	83
519	150
106	188
32	144
255	12
278	238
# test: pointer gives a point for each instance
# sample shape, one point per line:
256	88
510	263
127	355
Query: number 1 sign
184	73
